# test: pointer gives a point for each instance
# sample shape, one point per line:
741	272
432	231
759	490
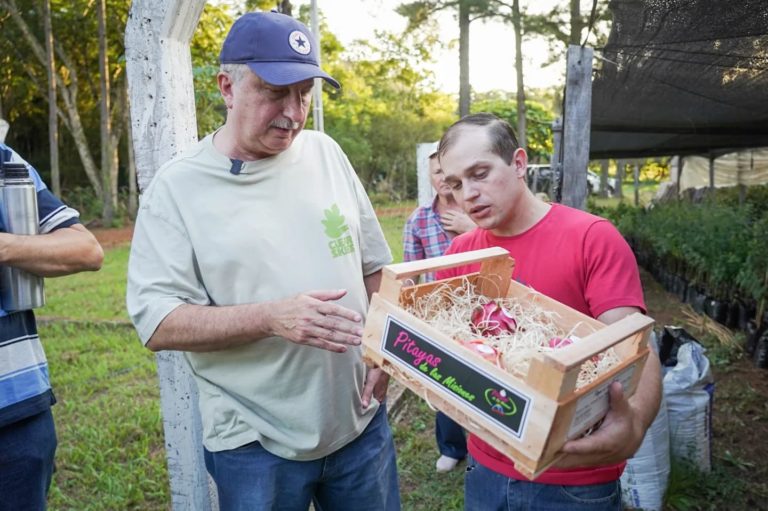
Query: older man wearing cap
255	253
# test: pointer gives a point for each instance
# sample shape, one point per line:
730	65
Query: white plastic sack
688	389
646	476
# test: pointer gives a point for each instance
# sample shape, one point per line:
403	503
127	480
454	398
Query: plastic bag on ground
689	389
645	478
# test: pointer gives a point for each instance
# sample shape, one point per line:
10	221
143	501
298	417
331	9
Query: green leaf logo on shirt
334	222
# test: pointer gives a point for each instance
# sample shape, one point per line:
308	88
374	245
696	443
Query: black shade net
681	77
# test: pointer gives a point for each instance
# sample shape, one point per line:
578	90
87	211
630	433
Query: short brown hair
503	139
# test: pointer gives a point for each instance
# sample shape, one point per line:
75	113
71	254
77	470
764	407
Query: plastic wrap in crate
527	419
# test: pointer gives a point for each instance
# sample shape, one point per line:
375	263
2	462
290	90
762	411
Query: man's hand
311	319
617	438
376	382
456	221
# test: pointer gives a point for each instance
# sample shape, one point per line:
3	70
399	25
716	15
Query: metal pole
317	91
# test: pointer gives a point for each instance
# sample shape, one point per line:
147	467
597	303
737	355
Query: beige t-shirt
287	224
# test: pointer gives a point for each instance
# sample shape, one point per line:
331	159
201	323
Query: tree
538	132
68	88
420	11
564	25
108	137
517	22
388	103
53	111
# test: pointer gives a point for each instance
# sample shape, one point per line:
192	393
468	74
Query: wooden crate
527	419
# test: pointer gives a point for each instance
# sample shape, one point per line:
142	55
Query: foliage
387	105
420	488
88	204
692	490
539	122
110	453
204	48
717	245
91	295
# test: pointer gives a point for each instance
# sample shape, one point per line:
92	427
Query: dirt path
114	236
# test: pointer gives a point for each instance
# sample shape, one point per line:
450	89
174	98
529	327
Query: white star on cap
299	42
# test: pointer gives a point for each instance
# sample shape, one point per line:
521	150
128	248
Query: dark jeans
27	448
360	476
486	490
450	437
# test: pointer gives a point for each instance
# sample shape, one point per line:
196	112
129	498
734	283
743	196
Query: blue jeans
451	440
360	476
27	448
486	490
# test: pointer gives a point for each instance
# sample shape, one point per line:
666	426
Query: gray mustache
285	124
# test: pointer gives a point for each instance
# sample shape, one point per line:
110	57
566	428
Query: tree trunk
464	91
576	23
53	124
285	7
521	111
133	201
604	178
105	124
620	169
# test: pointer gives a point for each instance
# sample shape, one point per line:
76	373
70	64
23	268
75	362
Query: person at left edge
27	432
255	253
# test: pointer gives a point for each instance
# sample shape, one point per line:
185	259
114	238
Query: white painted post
426	192
576	125
163	123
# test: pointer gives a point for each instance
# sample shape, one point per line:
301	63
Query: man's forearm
372	283
211	328
647	398
61	252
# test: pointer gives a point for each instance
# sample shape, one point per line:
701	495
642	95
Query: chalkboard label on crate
461	379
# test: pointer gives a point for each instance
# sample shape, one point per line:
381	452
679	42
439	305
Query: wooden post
712	171
426	193
679	173
556	163
159	72
636	170
604	192
621	167
576	126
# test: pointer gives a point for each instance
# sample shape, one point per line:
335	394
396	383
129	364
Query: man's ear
226	85
520	161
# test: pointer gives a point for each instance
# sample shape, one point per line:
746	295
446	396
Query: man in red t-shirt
576	258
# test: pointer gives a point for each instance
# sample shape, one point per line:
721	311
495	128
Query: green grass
646	192
392	225
421	488
92	295
110	453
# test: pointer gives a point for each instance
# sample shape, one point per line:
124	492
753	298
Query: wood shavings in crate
450	309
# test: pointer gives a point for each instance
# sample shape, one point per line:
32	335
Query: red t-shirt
580	260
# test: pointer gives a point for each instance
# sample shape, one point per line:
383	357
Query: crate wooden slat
548	409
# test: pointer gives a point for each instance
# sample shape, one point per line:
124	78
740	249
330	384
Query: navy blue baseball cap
278	48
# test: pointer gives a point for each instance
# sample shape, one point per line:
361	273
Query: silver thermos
19	290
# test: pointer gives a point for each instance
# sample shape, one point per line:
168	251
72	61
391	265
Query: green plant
110	453
690	489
